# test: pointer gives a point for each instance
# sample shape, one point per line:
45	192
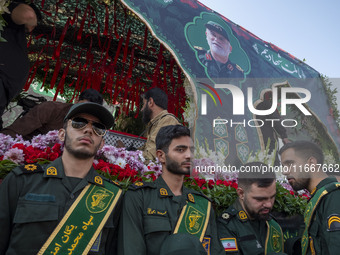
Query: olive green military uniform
240	235
161	120
33	201
219	70
324	229
149	215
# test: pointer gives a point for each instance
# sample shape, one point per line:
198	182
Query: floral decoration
127	167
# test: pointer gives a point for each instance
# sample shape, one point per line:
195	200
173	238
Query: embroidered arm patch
229	244
333	223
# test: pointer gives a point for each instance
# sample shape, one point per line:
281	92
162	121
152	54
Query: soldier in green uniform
217	58
154	212
246	227
304	167
64	207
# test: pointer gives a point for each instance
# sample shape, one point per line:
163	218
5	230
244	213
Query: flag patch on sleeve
229	244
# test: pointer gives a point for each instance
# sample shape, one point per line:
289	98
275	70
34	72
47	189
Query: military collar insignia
242	215
98	180
208	56
163	192
191	198
225	216
51	171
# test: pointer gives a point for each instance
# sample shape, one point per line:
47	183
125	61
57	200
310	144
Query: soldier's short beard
255	215
79	154
300	184
146	114
174	167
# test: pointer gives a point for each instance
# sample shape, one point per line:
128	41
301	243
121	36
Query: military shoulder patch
333	223
140	184
229	244
29	168
206	242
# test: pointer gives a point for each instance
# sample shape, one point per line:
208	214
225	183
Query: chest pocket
154	224
248	244
29	211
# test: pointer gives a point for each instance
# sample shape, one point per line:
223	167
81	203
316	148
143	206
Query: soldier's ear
312	161
240	193
61	134
161	156
151	102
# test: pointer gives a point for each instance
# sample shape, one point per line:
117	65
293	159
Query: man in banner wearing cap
304	167
217	58
246	227
164	217
64	207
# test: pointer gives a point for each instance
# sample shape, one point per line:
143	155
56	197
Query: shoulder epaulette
232	210
28	169
139	185
111	181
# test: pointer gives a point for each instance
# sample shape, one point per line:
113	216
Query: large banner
248	92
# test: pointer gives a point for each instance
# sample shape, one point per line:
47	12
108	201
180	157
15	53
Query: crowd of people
66	207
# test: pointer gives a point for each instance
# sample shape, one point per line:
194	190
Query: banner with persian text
248	92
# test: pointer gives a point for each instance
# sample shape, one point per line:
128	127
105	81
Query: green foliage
288	203
5	167
221	195
331	94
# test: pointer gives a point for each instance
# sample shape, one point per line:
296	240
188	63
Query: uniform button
72	196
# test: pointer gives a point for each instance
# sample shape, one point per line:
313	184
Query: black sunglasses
80	123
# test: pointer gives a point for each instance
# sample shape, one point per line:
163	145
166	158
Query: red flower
220	182
211	183
200	182
19	146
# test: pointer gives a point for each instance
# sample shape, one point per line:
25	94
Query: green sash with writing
79	228
274	240
309	212
194	217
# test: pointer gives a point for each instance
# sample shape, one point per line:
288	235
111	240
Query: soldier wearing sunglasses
64	207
